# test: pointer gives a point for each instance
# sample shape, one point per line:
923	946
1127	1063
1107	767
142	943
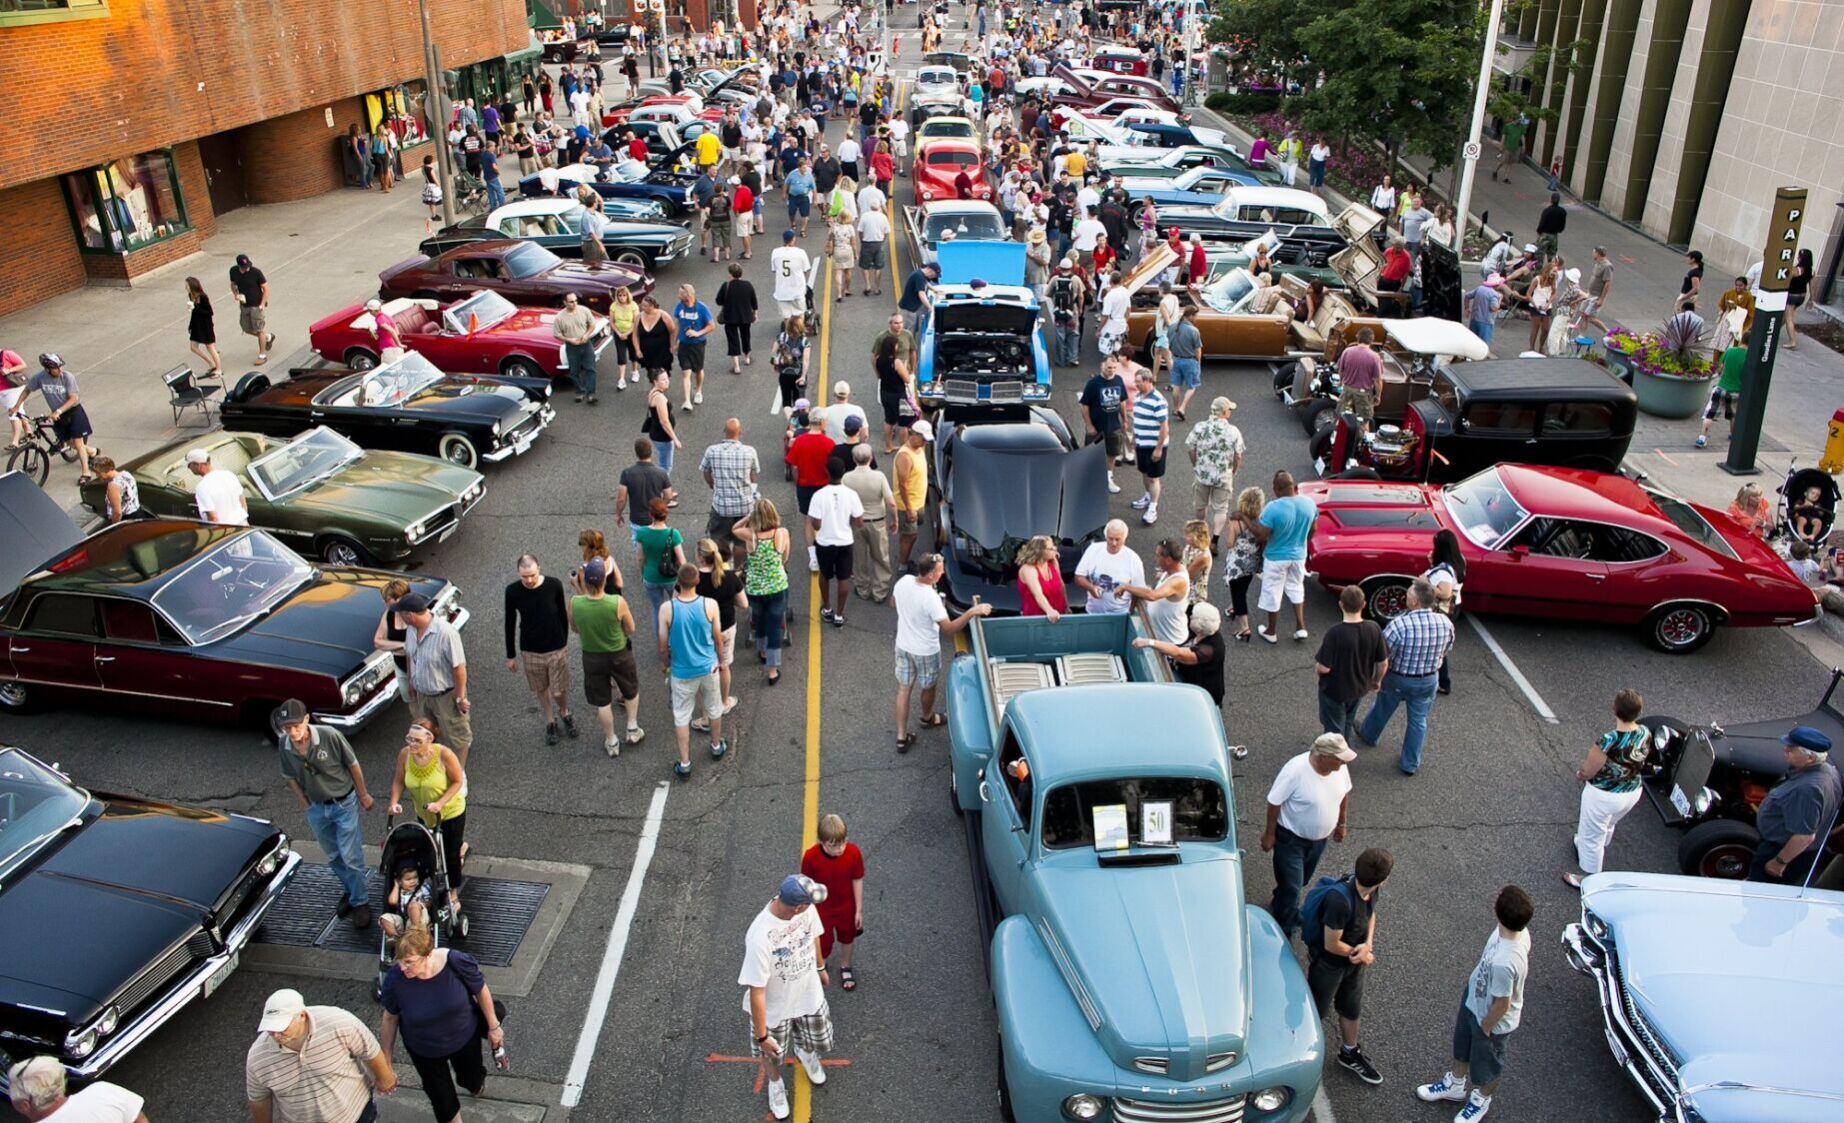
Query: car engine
983	356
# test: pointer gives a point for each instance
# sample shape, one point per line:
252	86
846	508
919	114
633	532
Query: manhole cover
499	913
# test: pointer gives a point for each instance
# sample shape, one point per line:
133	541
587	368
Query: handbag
666	567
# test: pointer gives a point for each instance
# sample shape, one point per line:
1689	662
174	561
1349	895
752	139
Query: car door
1006	793
1548	568
55	644
141	655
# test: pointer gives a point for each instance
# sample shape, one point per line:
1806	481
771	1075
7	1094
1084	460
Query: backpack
1063	298
1312	913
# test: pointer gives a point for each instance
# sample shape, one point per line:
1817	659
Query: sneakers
1113	488
826	615
778	1099
816	1073
1300	634
569	726
719	748
686	408
635	734
612	746
361	917
1449	1087
1142	502
1151	516
1475	1109
1352	1060
550	733
1702	441
1262	631
698	398
683	771
621	383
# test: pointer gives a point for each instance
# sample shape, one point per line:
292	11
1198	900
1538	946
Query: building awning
532	51
539	13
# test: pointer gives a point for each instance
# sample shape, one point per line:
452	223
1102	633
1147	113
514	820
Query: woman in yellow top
621	316
911	470
430	773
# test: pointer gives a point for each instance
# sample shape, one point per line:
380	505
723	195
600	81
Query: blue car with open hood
981	345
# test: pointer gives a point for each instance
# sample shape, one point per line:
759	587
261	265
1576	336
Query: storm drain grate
499	913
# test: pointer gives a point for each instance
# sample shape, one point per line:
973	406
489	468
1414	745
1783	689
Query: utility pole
437	108
1473	148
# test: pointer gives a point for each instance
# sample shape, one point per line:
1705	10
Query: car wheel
16	698
337	549
1320	446
632	258
1386	597
1316	416
456	448
1679	629
1283	378
360	359
522	368
1720	848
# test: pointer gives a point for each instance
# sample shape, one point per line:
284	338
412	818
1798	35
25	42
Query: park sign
1764	341
1783	239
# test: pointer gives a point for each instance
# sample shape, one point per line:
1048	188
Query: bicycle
33	456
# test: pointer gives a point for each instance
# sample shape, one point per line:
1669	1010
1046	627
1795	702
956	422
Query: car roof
1519	379
1067	734
1580	493
958	206
522	208
1279	197
948	144
132	557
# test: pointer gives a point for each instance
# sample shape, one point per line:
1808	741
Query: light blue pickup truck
1133	984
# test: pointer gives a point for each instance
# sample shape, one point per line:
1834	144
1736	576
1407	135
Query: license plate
1680	801
448	531
216	978
523	446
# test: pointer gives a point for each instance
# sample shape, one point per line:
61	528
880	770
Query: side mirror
1520	552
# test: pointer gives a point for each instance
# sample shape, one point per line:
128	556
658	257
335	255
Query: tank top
1053	592
424	784
395	633
131	493
694	652
656	343
622	316
650	424
765	575
1168	616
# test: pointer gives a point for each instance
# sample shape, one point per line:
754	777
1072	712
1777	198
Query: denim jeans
662	455
1397	689
581	358
766	617
1068	343
336	828
1338	717
496	193
657	596
1295	861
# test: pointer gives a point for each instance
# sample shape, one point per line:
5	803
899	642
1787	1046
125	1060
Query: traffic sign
1471	150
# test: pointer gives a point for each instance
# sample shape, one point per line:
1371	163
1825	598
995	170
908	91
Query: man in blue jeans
489	171
319	764
1418	640
1307	807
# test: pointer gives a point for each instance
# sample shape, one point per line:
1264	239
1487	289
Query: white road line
617	947
1322	1107
1530	692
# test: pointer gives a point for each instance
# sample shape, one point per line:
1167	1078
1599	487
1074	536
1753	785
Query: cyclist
68	420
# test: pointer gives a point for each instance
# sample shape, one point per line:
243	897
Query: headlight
1595	925
80	1043
496	428
354	691
1082	1106
1705	800
106	1024
414	531
269	864
1270	1099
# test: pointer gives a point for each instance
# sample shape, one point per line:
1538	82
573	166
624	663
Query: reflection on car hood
1005	493
462	397
326	627
387	485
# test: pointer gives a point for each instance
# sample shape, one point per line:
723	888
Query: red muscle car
521	272
482	334
939	164
1560	544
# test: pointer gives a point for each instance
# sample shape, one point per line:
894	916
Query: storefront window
46	11
413	103
127	204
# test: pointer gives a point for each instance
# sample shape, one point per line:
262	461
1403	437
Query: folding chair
185	393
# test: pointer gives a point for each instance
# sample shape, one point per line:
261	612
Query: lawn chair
185	393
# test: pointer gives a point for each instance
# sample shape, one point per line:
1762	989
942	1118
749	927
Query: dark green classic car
324	495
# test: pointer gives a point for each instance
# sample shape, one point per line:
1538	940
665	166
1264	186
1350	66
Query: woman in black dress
736	303
201	330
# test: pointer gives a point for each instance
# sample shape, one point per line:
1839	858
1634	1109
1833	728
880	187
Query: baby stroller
410	845
1802	515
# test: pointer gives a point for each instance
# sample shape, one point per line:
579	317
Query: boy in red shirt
839	866
807	454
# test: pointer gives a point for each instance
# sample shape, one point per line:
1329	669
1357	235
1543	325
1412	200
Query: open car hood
32	526
1004	493
996	263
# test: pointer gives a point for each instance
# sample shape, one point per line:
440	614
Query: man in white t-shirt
791	267
1088	200
1106	569
1087	234
921	620
219	494
848	159
37	1089
783	980
834	515
873	233
841	411
899	143
1306	808
1114	304
870	198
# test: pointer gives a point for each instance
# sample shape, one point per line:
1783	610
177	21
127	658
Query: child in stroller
413	860
1808	505
407	902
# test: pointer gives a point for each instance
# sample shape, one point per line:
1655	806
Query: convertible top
1016	480
1429	335
32	526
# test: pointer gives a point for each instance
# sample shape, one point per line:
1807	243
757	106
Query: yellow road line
897	278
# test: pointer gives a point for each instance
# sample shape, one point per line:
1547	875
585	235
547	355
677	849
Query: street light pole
436	106
1470	163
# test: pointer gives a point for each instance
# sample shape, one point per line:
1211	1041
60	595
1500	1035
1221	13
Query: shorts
1188	373
1336	981
871	255
691	356
726	651
791	307
605	669
917	670
908	522
1278	577
1114	439
547	672
893	408
837	928
1151	467
800	206
74	425
1214	499
1358	402
745	224
1484	1053
803	495
254	318
810	1033
686	693
1725	399
835	562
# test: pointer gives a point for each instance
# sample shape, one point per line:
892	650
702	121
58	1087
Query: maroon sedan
521	272
483	333
1559	544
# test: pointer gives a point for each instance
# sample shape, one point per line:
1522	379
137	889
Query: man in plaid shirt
1418	641
731	469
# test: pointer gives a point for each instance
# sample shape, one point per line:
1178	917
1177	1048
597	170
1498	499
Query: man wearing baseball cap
1800	812
1306	807
783	980
219	494
324	773
308	1065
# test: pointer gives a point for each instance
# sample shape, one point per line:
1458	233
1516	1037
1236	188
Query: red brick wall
159	71
38	257
296	156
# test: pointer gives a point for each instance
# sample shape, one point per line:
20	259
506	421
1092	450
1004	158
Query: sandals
933	721
1573	881
847	979
903	744
774	679
1244	636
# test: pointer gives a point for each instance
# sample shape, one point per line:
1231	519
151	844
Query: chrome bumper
1587	955
358	718
189	987
546	415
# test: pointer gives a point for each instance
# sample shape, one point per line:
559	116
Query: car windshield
937	76
954	159
978	225
1483	508
303	463
230	586
388	385
1686	519
1199	810
478	312
529	261
947	127
1230	291
628	171
34	803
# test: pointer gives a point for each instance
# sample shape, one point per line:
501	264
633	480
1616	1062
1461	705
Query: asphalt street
1495	803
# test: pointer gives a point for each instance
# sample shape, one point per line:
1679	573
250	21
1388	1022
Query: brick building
134	123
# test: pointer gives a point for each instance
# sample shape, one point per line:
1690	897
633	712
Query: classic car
1002	483
521	272
959	61
1091	87
199	621
409	405
1116	113
557	225
1131	979
168	897
940	162
1412	352
626	179
1166	163
1711	997
333	499
1151	134
1708	781
980	346
1559	544
1473	415
935	81
482	333
1119	59
1225	316
668	149
1442	285
1306	259
936	126
1201	186
951	220
1044	87
1245	212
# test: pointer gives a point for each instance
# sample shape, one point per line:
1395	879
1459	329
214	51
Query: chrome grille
1159	1066
1642	1032
1008	392
520	431
154	980
1162	1111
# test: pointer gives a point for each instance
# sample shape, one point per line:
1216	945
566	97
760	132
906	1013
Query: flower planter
1668	395
1621	364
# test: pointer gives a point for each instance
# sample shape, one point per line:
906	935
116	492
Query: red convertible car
482	334
519	271
1561	544
939	163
